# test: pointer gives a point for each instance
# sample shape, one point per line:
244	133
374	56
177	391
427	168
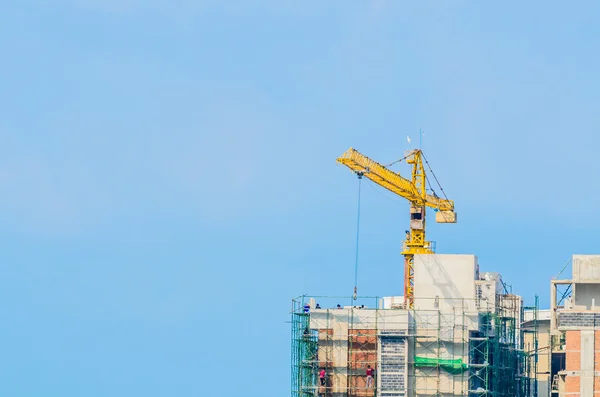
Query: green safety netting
455	366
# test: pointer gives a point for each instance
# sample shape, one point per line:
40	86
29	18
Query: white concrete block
445	282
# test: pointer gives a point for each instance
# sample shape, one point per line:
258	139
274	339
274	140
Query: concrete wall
543	314
496	278
447	326
442	335
450	278
485	293
395	319
587	295
391	302
586	268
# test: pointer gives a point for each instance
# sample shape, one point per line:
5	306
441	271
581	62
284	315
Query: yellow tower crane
415	191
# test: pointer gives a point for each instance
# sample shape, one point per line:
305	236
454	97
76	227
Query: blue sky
168	179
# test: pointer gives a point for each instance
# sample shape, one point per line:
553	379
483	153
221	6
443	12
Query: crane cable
434	177
563	269
397	161
360	175
427	179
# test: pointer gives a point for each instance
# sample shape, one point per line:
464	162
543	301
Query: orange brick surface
323	333
597	384
572	384
573	347
371	331
573	340
573	361
363	337
362	359
362	349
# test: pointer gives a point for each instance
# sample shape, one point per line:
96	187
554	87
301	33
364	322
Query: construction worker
369	376
322	376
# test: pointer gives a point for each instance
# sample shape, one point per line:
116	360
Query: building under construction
455	331
574	366
462	337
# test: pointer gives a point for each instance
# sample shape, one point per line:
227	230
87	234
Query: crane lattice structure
415	191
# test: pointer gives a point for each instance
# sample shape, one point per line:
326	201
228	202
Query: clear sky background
168	179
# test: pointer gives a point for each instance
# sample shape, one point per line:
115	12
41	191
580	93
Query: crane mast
415	191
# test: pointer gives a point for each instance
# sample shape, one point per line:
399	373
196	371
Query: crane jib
393	181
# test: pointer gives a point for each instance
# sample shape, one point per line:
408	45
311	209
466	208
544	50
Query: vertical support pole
360	175
535	345
552	306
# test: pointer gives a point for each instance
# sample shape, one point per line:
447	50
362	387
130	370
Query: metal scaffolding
470	351
498	364
532	349
304	352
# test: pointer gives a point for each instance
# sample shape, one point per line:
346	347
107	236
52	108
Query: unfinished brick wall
362	351
573	350
359	347
573	363
596	363
573	381
572	386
